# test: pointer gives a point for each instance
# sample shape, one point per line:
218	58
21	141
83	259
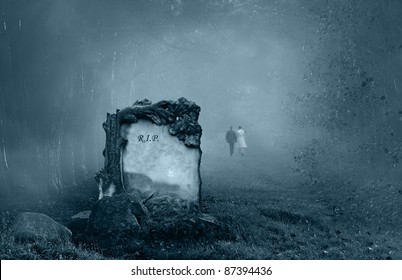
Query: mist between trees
316	84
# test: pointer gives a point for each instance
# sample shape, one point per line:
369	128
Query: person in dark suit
231	138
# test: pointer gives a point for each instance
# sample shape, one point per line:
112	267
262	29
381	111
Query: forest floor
268	215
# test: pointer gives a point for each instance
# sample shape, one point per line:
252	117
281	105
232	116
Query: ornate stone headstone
153	150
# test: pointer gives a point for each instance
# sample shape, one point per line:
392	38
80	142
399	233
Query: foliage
351	100
250	216
176	220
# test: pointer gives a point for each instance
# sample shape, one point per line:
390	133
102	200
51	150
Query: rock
206	218
84	215
30	227
79	221
115	222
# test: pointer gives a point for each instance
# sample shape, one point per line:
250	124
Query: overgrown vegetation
246	215
353	106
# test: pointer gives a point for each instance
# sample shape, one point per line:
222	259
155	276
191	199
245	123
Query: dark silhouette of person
231	138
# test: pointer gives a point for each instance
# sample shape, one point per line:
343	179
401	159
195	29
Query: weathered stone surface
116	221
155	162
30	227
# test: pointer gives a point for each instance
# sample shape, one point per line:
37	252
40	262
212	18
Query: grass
39	250
257	213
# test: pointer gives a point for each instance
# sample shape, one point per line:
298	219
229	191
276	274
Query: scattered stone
32	227
84	215
115	222
206	218
79	221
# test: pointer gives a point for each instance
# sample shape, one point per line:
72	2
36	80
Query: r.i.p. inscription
147	138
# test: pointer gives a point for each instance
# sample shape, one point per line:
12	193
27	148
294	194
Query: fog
315	84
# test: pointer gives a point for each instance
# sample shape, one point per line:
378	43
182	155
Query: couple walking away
239	137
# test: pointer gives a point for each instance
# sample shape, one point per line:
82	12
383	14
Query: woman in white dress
241	141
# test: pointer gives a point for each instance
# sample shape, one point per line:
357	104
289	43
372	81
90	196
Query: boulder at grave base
30	227
116	221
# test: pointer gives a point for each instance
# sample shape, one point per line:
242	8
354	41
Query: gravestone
153	150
